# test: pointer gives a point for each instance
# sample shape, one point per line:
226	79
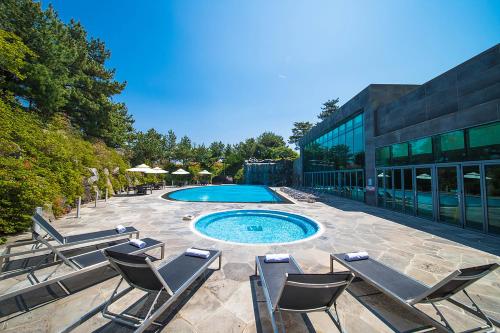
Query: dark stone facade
464	96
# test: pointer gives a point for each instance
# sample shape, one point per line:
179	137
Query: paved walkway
231	300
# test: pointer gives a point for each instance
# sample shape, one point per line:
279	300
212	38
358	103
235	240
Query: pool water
256	226
227	193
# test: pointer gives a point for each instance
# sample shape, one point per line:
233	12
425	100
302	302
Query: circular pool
256	226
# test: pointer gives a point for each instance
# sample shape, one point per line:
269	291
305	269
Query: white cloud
282	76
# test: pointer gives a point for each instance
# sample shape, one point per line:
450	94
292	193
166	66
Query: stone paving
231	300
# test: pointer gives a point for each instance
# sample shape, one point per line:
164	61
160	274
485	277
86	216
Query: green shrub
46	164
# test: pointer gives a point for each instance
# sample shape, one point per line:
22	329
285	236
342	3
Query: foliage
47	163
329	107
68	74
300	128
149	147
13	54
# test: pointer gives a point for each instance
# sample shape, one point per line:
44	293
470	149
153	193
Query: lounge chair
44	233
288	289
410	292
79	264
170	279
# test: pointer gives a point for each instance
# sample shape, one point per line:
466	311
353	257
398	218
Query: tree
68	75
183	152
299	129
148	147
329	107
13	54
171	144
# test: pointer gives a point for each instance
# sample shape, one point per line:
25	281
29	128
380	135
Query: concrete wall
464	96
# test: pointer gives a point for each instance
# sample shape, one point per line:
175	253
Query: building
430	150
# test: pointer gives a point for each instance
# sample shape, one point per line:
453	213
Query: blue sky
229	70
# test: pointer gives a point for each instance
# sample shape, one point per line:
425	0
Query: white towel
137	243
353	256
192	252
277	257
119	228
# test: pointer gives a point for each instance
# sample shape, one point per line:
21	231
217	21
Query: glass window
408	191
472	197
358	121
484	142
421	150
349	138
341	129
451	146
400	153
358	140
382	156
342	139
335	141
398	190
424	192
493	197
449	210
335	132
348	125
380	187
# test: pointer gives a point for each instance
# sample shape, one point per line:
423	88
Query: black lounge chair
142	189
170	279
410	292
44	233
288	289
79	264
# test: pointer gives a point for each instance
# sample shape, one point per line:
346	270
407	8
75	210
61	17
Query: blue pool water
227	193
256	226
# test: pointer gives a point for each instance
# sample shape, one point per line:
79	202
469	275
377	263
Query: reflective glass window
451	146
400	153
358	121
358	140
348	125
382	156
493	197
421	150
484	142
424	192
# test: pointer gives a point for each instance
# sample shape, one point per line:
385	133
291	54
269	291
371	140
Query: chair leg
443	319
335	317
282	323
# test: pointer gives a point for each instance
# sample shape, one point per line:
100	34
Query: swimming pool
256	226
227	193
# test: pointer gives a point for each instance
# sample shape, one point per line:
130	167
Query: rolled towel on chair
277	257
353	256
119	228
192	252
137	243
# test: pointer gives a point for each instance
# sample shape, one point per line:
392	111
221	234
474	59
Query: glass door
423	179
492	173
398	190
408	191
473	205
448	195
389	197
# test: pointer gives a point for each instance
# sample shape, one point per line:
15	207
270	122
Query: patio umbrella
140	168
156	170
180	172
206	172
